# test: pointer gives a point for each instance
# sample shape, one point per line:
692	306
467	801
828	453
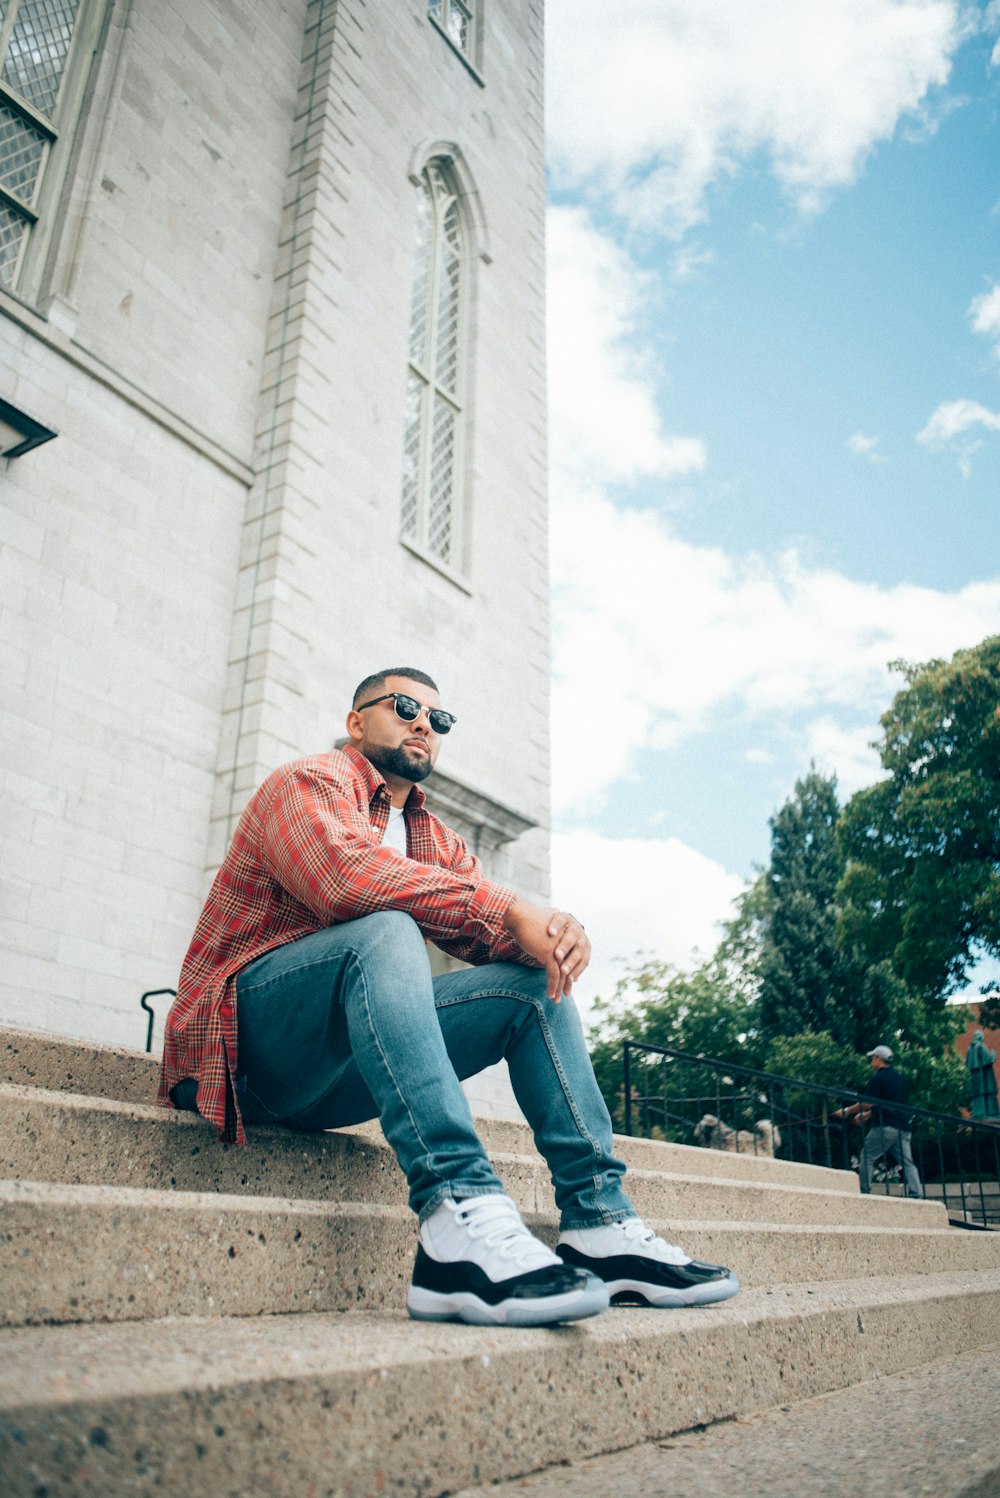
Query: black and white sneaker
477	1262
637	1266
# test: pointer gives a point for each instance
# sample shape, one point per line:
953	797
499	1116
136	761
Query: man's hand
555	939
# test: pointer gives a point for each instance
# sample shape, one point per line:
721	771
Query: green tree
808	982
921	887
816	1057
704	1012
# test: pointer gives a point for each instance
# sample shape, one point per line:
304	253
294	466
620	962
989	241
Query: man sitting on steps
306	999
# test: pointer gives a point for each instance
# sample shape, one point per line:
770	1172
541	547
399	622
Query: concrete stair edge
34	1058
268	1404
50	1135
941	1444
82	1253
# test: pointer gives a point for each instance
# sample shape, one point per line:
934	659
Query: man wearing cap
889	1134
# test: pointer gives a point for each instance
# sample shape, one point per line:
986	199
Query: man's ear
355	727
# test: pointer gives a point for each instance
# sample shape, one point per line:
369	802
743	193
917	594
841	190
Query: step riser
44	1139
679	1199
457	1416
687	1159
62	1065
103	1263
106	1259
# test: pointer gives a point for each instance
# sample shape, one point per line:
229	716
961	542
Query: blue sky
774	331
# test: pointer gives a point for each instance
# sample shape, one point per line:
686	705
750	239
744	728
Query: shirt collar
375	783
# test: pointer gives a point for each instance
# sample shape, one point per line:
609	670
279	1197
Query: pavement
933	1432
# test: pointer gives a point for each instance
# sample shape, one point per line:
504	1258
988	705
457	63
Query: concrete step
917	1434
103	1253
56	1063
33	1058
64	1137
686	1159
363	1403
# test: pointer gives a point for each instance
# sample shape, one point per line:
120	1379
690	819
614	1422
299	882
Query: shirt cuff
488	909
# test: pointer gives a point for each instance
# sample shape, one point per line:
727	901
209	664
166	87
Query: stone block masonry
198	569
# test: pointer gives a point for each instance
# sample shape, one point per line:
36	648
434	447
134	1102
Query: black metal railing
688	1099
153	993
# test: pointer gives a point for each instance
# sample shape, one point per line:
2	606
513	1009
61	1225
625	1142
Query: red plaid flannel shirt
306	854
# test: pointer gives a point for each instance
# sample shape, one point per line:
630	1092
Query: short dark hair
372	683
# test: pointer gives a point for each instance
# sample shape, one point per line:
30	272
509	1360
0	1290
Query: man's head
382	727
880	1056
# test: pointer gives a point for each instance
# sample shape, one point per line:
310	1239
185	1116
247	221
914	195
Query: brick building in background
274	275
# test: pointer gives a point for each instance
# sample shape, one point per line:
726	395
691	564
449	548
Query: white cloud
985	314
954	418
991	18
652	102
956	424
674	637
678	638
865	447
654	895
604	419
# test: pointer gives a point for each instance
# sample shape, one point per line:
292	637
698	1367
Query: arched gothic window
36	39
435	395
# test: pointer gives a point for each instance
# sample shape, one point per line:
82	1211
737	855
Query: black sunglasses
409	709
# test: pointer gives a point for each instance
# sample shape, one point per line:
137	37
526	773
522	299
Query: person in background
889	1132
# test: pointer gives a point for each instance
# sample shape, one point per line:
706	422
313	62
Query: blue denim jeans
348	1024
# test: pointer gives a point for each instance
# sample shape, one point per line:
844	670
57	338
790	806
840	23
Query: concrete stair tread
146	1199
82	1069
69	1135
53	1364
74	1253
196	1317
37	1058
941	1441
266	1404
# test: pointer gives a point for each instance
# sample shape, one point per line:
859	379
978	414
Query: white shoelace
636	1231
495	1220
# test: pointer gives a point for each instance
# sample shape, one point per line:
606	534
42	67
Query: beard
400	762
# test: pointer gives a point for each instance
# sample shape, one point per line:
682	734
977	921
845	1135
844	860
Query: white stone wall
118	543
332	594
196	572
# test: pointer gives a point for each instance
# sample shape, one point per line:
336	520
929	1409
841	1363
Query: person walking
889	1132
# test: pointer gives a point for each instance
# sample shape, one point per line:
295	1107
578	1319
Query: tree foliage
863	922
812	981
921	887
702	1012
801	978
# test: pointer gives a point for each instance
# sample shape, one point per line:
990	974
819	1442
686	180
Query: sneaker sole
462	1305
663	1298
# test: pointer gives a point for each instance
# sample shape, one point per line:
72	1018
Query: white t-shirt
395	834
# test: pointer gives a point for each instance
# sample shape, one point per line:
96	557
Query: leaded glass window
432	448
35	40
457	19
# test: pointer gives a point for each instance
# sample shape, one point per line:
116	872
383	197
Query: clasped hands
555	939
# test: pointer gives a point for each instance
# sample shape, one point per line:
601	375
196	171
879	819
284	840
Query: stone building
272	275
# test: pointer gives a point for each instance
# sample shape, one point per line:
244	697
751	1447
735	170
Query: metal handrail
153	993
942	1139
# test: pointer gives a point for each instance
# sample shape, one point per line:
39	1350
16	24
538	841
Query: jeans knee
388	927
389	944
558	1018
